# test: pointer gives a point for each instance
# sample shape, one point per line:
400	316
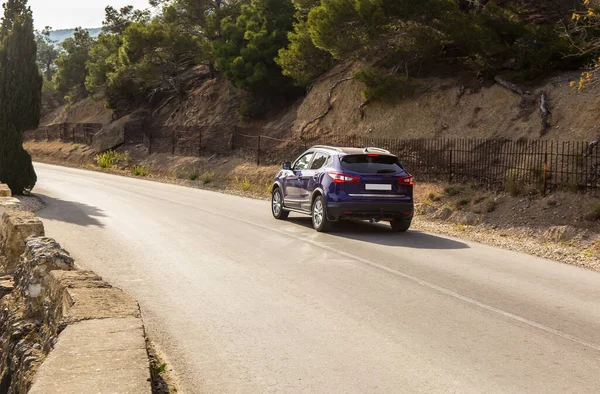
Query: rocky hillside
455	108
449	107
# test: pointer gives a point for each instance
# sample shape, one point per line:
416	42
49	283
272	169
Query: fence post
74	134
258	152
451	174
545	173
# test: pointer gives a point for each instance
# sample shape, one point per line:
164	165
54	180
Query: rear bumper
371	210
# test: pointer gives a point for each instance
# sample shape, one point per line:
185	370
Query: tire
400	226
319	215
277	209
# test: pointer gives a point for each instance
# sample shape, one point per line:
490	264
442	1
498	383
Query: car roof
353	151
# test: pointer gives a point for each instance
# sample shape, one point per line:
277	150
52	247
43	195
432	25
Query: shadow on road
70	212
381	234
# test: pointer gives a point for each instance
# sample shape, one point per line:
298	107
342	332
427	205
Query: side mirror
287	166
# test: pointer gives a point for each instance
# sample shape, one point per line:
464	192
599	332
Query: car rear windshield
365	164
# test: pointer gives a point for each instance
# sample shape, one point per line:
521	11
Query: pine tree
20	95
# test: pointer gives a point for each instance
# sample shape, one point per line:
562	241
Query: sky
67	14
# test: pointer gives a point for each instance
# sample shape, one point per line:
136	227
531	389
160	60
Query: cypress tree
20	95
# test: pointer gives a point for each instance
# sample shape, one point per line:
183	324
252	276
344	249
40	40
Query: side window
303	162
319	161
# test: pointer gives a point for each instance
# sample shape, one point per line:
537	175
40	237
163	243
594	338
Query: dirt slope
85	111
456	107
451	108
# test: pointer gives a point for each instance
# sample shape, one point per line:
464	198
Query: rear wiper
386	172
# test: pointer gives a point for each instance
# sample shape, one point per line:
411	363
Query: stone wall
63	330
17	226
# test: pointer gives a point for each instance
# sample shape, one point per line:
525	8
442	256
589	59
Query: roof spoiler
373	149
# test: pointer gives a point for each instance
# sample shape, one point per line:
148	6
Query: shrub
552	203
76	146
194	175
243	184
460	204
434	197
382	86
139	171
513	182
207	177
453	190
490	206
243	111
594	214
107	159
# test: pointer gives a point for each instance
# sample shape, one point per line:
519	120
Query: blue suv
330	184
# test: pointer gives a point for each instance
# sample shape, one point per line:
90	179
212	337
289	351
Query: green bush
139	171
382	86
108	159
460	204
243	184
194	175
207	177
243	111
453	190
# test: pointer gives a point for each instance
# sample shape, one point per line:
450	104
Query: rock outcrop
5	191
43	295
17	226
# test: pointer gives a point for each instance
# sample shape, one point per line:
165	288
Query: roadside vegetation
278	48
140	171
20	95
111	158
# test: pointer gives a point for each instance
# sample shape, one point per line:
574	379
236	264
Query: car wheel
277	209
319	215
400	226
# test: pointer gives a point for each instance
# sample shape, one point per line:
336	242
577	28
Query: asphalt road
241	303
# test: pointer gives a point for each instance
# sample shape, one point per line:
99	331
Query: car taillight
407	180
343	178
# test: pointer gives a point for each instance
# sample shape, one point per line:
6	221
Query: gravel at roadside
515	239
30	203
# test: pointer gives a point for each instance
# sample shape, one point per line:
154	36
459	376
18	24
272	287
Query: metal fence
541	163
77	133
544	164
177	140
